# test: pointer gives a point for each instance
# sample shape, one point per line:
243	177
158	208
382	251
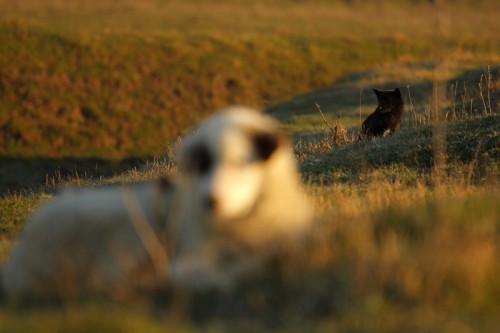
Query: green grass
393	248
469	143
121	80
389	253
90	318
404	241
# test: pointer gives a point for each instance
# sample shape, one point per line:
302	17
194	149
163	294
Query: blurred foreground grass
384	257
398	246
393	249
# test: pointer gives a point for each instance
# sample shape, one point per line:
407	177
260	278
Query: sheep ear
266	144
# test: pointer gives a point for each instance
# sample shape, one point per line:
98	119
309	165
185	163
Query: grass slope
100	79
118	95
467	142
393	248
390	252
408	228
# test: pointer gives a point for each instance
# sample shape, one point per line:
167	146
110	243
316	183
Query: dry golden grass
388	253
106	79
397	20
400	244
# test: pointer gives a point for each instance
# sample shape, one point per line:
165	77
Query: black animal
386	116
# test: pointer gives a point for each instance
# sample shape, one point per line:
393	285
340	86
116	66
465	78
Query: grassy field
407	237
115	80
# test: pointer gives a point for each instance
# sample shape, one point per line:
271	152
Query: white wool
237	200
85	240
261	204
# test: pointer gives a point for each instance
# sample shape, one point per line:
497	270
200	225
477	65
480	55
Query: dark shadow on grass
24	174
343	95
470	141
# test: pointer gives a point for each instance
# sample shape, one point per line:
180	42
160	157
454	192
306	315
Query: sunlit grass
93	79
314	19
99	317
389	252
398	245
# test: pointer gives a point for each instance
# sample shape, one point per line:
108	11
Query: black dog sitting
386	116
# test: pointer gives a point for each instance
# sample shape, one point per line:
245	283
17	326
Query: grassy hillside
115	80
473	142
407	234
400	244
393	249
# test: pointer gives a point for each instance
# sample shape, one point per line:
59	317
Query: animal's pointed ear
267	143
397	92
376	91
